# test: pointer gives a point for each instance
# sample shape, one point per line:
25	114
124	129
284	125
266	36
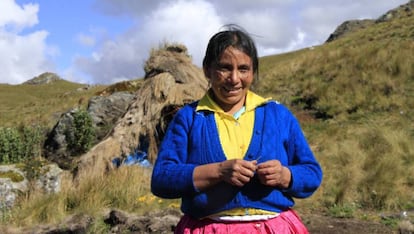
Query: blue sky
106	41
73	26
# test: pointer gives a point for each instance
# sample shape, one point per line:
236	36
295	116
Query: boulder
153	222
104	111
48	180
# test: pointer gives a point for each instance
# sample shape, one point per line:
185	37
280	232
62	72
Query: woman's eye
224	68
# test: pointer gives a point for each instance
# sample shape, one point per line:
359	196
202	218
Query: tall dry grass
361	88
368	166
126	188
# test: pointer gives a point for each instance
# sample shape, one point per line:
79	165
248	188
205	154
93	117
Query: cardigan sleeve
305	169
172	177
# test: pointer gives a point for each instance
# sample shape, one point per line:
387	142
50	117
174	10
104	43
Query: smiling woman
230	79
234	158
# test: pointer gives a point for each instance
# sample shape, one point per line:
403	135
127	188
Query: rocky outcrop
44	78
350	26
154	222
399	12
48	180
104	111
56	144
172	80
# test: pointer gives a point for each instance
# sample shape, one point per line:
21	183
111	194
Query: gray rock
349	26
104	110
44	78
9	190
354	25
154	222
48	181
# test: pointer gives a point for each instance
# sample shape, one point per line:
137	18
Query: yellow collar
252	101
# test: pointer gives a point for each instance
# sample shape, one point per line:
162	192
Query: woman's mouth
232	89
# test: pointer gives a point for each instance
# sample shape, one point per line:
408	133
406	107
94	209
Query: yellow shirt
235	132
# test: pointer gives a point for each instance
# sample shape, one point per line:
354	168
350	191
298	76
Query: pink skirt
287	222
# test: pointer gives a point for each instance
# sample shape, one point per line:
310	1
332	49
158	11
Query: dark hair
234	36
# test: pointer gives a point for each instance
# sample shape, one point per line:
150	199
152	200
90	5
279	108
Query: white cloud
22	56
85	40
188	22
191	23
15	18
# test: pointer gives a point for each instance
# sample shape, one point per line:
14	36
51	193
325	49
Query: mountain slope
355	99
367	70
37	102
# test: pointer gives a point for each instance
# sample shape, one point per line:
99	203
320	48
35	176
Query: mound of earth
171	81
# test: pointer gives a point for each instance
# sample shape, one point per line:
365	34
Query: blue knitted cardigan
192	139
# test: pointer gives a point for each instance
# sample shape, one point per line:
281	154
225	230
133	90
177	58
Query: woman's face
231	79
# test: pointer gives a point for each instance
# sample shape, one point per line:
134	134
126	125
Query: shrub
33	138
83	135
10	146
17	145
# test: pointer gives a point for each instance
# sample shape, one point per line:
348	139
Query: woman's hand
237	172
272	173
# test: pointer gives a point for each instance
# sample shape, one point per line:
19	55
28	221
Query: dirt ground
320	224
164	222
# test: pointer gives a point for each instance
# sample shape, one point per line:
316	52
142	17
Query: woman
235	159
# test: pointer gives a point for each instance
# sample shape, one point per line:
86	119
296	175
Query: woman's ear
207	71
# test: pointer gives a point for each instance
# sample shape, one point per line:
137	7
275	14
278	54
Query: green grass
41	104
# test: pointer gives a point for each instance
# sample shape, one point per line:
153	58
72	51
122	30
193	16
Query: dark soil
321	224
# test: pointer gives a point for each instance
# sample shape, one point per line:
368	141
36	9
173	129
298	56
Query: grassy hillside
41	104
367	71
355	99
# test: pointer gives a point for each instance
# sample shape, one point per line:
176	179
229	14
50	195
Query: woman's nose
234	76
